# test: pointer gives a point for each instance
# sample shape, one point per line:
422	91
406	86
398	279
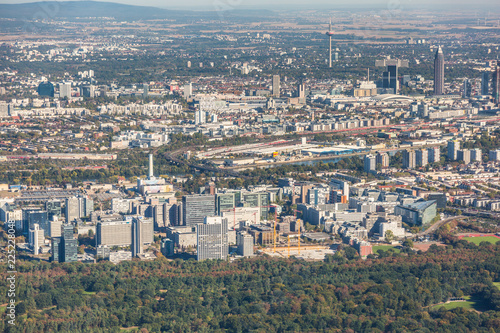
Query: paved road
232	173
437	225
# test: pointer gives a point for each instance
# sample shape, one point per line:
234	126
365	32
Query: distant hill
75	9
83	9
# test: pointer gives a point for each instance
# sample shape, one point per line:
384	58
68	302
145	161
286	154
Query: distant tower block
276	86
439	72
390	77
329	33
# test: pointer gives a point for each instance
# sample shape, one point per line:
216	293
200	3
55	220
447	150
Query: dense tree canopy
343	294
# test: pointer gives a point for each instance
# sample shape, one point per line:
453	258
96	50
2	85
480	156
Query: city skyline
282	4
214	169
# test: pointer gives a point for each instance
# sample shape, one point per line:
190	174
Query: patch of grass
497	284
385	248
478	240
88	292
470	303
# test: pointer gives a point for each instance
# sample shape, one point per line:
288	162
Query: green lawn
469	304
478	240
385	248
497	284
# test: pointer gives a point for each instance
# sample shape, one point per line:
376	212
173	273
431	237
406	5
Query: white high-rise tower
329	33
151	175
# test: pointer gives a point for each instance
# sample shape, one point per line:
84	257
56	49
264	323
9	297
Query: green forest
394	293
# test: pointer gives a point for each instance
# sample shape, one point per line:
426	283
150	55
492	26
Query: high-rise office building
78	207
188	90
86	206
301	90
318	195
423	110
65	90
55	227
496	83
370	163
409	159
226	201
257	199
244	242
119	205
212	239
439	72
167	247
276	86
200	117
64	248
341	185
453	147
102	252
55	249
117	233
53	208
197	207
45	89
464	155
476	155
36	238
422	157
494	155
4	108
382	159
72	209
434	154
466	89
137	232
485	83
39	217
390	78
88	91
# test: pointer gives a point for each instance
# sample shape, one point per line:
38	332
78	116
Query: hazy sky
494	5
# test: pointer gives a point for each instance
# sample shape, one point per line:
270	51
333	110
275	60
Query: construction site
306	252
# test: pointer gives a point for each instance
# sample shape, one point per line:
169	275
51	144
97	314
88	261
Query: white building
212	239
395	227
36	238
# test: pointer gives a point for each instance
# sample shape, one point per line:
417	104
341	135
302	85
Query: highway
200	167
437	225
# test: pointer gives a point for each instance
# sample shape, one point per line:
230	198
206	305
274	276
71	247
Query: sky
313	4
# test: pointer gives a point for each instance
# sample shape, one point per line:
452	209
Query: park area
468	303
478	238
375	248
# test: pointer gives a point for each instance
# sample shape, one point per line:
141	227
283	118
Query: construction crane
274	232
288	246
298	224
